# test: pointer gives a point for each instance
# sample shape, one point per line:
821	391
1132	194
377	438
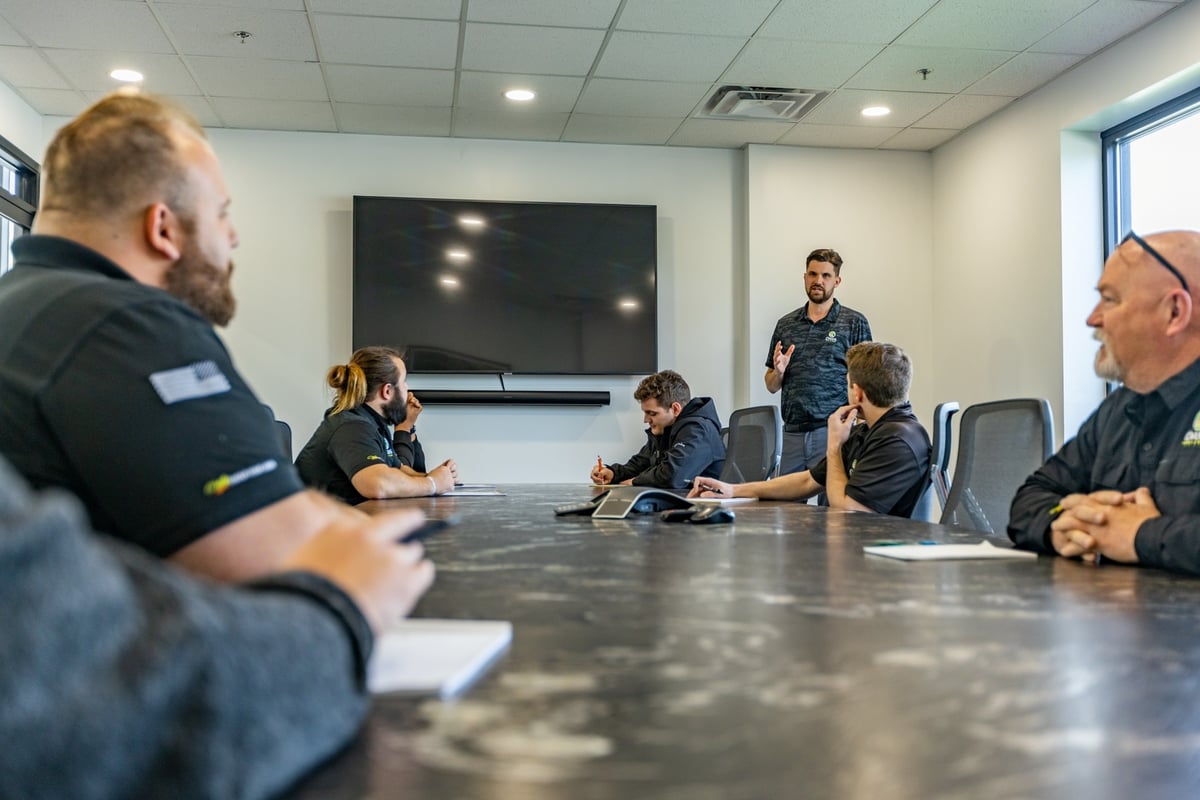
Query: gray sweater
122	677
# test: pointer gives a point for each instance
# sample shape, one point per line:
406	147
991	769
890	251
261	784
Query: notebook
946	552
435	656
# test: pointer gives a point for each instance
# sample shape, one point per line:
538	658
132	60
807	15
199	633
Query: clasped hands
1102	523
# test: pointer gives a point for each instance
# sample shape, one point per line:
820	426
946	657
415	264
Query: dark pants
802	451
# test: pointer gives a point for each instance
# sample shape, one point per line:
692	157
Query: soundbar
506	398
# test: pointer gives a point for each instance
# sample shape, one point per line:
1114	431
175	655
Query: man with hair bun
682	442
877	458
353	454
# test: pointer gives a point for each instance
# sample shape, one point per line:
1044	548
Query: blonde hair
119	156
369	368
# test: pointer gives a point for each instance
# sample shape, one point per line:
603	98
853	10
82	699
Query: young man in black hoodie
683	441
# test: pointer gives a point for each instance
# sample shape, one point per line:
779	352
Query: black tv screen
473	286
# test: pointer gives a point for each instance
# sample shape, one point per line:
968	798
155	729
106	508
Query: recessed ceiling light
449	280
628	304
520	95
470	222
457	254
876	111
126	75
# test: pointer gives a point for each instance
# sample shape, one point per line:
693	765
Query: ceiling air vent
761	103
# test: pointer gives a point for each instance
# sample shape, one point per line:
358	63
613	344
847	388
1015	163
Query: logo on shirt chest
831	337
1192	437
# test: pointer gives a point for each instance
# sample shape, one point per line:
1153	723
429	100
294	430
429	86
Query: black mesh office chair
939	463
754	446
1000	445
285	437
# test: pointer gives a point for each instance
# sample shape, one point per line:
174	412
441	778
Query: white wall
292	205
1017	225
20	124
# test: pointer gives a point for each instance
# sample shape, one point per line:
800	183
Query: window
18	198
1151	168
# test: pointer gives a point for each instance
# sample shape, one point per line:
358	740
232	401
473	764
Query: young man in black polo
877	458
353	455
683	440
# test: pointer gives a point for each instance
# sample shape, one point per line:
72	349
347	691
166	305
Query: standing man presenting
807	361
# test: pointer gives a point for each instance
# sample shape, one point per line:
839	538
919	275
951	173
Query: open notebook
435	656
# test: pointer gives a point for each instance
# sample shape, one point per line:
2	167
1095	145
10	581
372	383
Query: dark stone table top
771	658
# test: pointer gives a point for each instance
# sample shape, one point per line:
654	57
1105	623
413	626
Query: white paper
435	656
722	501
946	552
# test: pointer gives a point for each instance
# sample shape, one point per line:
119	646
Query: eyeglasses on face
1157	257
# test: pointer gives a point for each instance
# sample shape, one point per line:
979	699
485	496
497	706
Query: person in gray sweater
122	676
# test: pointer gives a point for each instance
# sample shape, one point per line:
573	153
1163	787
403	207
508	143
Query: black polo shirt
1132	440
814	383
344	444
121	394
887	464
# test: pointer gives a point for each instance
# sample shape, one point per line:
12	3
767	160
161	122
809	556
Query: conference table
772	658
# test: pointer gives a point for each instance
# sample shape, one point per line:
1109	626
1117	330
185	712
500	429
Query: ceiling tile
922	139
843	107
619	130
209	32
105	23
1023	74
837	135
991	25
799	65
861	21
274	80
9	35
24	66
723	133
381	85
198	107
88	70
559	13
950	70
284	5
1100	25
526	49
387	42
55	102
963	111
412	9
280	115
641	98
667	57
484	124
486	90
716	17
393	120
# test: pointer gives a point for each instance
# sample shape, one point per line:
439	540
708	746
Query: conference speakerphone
619	501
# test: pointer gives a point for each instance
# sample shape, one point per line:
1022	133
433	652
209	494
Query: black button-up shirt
1132	440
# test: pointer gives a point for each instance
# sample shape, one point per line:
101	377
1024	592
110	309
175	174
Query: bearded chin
204	287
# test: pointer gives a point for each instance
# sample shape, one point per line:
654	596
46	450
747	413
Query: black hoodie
690	447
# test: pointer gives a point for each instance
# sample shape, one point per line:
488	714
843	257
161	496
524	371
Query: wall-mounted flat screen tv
500	287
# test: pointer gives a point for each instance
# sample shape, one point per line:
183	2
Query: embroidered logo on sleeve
202	379
223	483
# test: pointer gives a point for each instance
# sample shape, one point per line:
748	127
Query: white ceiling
616	71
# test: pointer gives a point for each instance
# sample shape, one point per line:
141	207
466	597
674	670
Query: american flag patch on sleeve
202	379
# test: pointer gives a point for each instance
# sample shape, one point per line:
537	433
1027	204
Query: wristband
432	486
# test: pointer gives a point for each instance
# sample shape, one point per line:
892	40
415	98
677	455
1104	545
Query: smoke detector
761	103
